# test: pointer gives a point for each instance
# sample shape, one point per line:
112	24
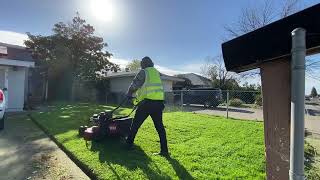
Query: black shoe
164	154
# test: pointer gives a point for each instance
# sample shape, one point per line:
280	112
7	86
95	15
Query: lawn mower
105	125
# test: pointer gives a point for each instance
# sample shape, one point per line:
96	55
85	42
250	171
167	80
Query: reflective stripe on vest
152	87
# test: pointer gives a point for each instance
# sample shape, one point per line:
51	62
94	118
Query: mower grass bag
119	126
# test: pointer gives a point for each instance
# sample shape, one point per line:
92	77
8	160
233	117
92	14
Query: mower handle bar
121	103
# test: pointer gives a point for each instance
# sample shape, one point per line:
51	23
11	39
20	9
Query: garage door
16	80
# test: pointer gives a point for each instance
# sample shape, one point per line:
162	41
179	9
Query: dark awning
272	41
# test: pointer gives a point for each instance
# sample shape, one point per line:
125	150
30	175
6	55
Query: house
195	80
15	62
120	81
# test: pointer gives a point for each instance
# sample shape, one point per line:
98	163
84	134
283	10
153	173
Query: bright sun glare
102	10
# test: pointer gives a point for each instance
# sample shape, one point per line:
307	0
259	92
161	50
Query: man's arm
136	83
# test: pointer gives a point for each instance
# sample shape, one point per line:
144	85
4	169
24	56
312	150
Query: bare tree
254	17
289	7
208	69
215	70
312	69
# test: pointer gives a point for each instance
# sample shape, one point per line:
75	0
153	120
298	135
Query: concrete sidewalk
313	126
27	153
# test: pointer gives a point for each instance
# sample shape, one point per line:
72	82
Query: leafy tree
134	65
250	93
314	92
72	52
250	87
75	46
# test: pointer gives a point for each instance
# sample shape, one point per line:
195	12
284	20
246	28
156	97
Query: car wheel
207	104
215	104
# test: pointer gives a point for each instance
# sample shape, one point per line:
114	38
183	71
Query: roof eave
15	62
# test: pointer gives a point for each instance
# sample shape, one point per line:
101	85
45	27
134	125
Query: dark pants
154	109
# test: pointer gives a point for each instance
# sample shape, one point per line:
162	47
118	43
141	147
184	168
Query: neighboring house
120	81
15	62
196	80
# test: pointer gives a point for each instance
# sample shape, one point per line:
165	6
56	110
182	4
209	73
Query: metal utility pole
181	98
297	104
227	104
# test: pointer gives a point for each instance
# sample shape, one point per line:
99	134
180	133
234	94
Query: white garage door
16	80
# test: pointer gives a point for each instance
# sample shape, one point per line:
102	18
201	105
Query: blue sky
177	34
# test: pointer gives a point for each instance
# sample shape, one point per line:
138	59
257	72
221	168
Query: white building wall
167	85
120	84
16	87
26	84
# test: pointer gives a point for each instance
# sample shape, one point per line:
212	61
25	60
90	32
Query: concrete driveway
234	112
312	114
27	153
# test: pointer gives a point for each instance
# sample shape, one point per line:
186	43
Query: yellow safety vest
152	87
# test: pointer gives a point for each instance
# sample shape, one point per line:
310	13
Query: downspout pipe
298	55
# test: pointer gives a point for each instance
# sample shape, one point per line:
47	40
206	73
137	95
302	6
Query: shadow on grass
112	151
180	170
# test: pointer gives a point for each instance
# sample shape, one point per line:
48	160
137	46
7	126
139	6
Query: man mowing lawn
149	98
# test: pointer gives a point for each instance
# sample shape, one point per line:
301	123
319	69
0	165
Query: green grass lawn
201	146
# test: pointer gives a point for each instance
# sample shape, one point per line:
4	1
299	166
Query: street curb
80	164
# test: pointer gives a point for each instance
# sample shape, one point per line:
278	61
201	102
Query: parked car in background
208	97
2	108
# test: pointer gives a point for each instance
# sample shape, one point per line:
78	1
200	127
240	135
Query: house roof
14	55
15	52
133	73
196	79
272	41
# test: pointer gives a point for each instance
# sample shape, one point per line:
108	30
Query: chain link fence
228	103
234	104
312	108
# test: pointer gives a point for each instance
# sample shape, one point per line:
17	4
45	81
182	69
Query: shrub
311	170
236	102
258	100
